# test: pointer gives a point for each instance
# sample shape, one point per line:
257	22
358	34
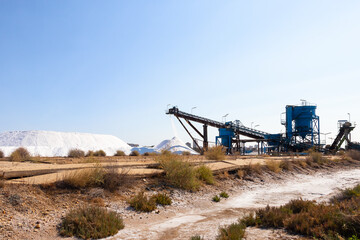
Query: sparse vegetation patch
120	153
215	153
143	203
205	174
76	153
134	153
234	231
20	154
162	199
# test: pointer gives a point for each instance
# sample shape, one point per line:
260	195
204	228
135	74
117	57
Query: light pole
224	117
192	109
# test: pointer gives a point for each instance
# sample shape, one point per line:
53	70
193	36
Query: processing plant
302	132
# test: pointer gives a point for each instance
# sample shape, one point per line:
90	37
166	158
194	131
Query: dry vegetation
215	153
91	222
20	154
134	153
1	154
76	153
120	153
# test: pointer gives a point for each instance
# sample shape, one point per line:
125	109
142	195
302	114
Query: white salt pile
174	145
51	144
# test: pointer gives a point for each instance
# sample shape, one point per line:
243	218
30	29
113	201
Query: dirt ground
34	211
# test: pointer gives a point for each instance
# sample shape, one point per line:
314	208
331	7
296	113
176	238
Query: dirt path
205	217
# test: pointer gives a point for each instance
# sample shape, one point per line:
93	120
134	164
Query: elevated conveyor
343	135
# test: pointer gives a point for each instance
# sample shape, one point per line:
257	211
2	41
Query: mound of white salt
51	144
175	145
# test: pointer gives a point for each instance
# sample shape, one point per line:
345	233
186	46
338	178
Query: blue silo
302	126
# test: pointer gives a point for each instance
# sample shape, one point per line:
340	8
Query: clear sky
112	67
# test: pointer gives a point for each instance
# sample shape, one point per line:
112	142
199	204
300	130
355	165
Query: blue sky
112	67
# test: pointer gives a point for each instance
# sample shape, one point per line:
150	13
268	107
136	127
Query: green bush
141	202
100	153
20	154
178	172
224	195
215	153
1	154
76	153
91	222
216	198
119	153
134	153
162	199
234	231
205	174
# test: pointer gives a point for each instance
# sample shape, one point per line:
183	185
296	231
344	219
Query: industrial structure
302	132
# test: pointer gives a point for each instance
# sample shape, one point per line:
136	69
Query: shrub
120	153
141	202
100	153
20	154
178	172
254	168
315	157
1	154
205	174
224	195
234	231
91	177
348	193
89	154
113	179
273	166
215	153
186	153
240	173
166	152
286	165
216	198
76	153
146	154
162	199
91	222
134	153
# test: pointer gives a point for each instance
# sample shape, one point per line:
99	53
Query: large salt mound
50	144
174	145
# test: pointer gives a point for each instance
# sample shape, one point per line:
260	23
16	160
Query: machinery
302	132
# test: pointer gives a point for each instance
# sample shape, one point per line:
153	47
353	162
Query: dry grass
178	172
273	166
91	177
215	153
20	154
353	154
240	173
255	168
287	165
114	179
234	231
91	222
162	199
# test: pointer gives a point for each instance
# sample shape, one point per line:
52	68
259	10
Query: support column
258	148
206	143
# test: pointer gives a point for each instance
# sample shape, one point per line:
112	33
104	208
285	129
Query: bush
113	179
91	222
100	153
178	172
1	154
76	153
224	195
20	154
348	193
134	153
205	174
273	166
197	237
92	177
234	231
315	157
162	199
89	154
119	153
141	202
215	153
286	165
216	198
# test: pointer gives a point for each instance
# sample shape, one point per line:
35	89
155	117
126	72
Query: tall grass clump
205	174
1	154
92	177
143	203
120	153
315	157
215	153
91	222
178	172
76	153
273	166
134	153
162	199
20	154
234	231
100	153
